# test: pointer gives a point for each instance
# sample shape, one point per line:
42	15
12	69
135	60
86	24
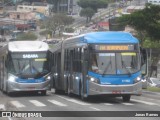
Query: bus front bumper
98	89
15	86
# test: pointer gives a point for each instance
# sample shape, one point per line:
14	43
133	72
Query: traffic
78	58
95	63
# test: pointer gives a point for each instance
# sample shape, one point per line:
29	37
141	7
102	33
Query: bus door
70	76
144	66
83	86
58	71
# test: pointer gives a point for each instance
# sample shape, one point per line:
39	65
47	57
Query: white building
42	8
155	2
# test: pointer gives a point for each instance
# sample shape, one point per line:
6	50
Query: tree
27	36
146	22
58	23
94	4
88	13
90	7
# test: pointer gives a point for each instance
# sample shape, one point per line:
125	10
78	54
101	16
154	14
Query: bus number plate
116	92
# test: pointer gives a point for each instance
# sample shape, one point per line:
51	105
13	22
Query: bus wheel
58	91
82	96
10	93
126	98
43	92
69	92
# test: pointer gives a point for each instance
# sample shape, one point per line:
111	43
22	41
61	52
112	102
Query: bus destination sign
113	47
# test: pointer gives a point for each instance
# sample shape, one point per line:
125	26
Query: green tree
27	36
94	4
146	22
90	7
88	13
58	23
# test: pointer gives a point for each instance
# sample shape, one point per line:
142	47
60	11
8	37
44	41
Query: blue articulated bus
98	63
24	66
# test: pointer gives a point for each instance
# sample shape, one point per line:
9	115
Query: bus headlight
11	79
92	79
137	79
48	77
143	80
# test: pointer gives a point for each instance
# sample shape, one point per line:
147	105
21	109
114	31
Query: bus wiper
123	64
107	68
18	74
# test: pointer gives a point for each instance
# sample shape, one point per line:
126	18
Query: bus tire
82	95
43	92
126	98
10	93
58	91
69	91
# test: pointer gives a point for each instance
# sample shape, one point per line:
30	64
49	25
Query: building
67	6
40	7
21	15
26	15
155	2
131	9
73	7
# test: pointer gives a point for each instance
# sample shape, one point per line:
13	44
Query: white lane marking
108	104
145	102
57	103
95	108
17	104
9	118
37	103
150	99
74	101
2	107
127	104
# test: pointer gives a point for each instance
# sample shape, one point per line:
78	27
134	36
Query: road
54	102
81	21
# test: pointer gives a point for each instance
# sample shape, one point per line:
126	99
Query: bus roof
27	46
106	37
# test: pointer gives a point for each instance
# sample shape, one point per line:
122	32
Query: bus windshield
28	68
115	63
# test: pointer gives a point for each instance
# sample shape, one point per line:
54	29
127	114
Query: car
2	38
154	82
50	41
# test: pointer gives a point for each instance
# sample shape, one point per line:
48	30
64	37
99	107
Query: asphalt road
53	102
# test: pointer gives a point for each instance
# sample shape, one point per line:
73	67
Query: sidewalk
149	92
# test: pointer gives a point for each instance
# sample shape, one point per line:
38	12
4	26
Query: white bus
24	66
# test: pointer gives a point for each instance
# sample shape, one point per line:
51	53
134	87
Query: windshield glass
28	68
115	63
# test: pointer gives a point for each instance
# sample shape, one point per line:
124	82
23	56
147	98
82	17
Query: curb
149	92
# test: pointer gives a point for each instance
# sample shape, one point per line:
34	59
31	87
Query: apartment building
65	6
